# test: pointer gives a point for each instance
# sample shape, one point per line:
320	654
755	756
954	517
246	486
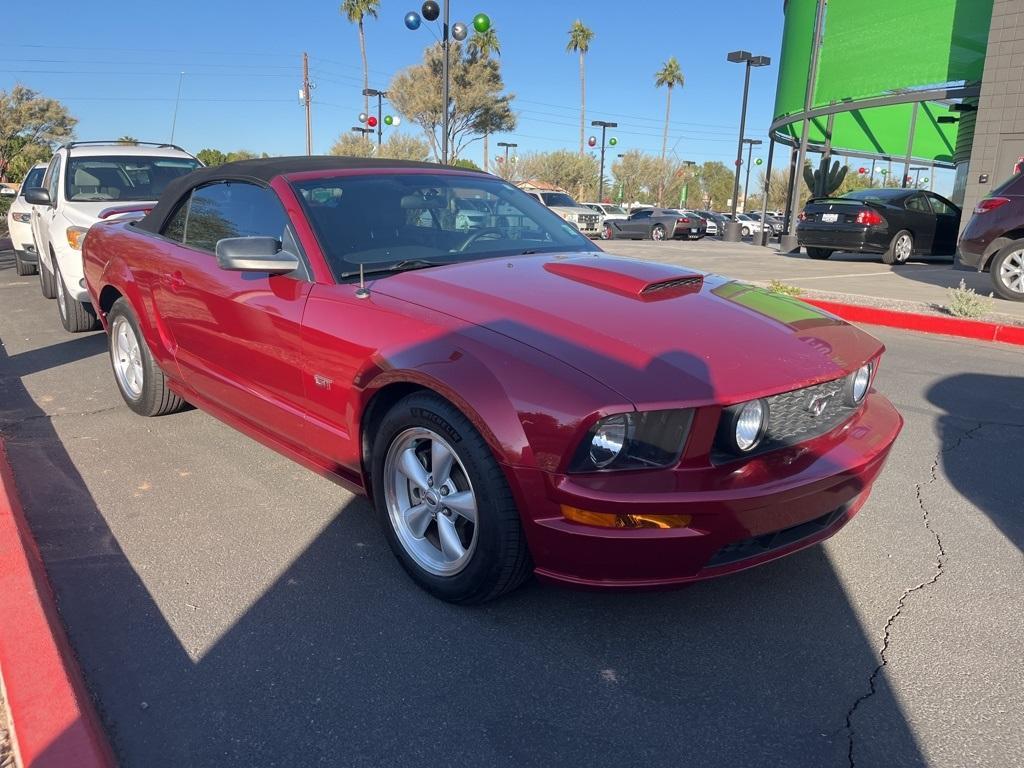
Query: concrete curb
53	722
946	326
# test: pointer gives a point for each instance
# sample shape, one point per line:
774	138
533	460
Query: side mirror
37	196
255	254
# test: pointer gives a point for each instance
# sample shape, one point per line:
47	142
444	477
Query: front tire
901	248
1007	271
21	267
607	233
139	379
447	510
745	231
658	232
819	253
75	316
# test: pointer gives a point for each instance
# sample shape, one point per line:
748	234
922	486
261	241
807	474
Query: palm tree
579	42
356	11
670	75
483	44
127	140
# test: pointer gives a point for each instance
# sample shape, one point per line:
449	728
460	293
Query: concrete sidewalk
922	281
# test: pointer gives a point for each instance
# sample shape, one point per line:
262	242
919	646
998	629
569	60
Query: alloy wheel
1011	272
904	246
430	501
127	357
657	233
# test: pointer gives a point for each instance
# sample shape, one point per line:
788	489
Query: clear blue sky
117	67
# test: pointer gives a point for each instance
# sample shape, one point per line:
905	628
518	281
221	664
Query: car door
236	335
947	225
43	215
921	222
637	224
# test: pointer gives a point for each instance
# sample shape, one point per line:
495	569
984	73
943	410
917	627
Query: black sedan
656	224
897	223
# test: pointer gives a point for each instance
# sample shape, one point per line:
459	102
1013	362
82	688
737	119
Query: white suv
586	220
19	224
84	183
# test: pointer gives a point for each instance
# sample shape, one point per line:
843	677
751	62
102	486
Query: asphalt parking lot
230	608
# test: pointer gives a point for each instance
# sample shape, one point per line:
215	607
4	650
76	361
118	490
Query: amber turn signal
607	520
75	237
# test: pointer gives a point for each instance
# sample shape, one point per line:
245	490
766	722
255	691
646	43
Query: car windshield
558	198
614	209
400	221
95	179
743	217
33	178
875	195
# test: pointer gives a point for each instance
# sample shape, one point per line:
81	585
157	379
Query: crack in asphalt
939	565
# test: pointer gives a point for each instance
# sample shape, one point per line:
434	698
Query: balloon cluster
431	11
592	141
371	121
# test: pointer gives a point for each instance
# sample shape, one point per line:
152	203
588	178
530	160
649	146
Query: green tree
242	154
670	75
30	126
576	174
356	11
211	157
468	165
351	144
716	182
482	45
579	42
400	146
130	140
479	103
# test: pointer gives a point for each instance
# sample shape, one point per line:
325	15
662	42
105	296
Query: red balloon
592	141
862	169
371	121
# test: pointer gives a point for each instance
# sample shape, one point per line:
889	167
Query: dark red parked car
512	399
993	239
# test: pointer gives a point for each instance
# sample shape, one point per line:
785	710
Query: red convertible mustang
511	398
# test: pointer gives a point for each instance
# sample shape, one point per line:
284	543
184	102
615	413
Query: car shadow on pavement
343	661
986	471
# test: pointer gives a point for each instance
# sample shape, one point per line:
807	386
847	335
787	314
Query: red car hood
655	333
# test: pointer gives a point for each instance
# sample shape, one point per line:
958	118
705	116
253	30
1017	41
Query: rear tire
819	253
75	316
494	558
901	248
47	285
745	231
657	232
23	268
1007	270
139	379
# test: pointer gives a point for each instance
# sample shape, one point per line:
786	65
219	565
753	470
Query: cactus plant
824	181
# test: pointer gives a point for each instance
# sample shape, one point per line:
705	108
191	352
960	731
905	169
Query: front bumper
743	514
838	237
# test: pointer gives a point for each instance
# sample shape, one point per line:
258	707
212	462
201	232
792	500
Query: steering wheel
474	236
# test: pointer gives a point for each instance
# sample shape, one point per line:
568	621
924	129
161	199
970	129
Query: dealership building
904	87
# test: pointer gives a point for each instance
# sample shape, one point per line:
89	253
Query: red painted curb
947	326
53	722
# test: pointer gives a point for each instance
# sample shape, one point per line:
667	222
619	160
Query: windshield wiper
399	266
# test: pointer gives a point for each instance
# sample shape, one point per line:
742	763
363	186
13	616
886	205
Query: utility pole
380	110
177	99
444	89
750	151
304	96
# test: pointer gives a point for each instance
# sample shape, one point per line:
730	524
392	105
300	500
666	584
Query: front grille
747	549
797	416
590	222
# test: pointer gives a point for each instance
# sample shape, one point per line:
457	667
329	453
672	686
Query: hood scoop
636	279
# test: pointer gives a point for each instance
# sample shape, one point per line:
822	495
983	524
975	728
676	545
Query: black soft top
262	171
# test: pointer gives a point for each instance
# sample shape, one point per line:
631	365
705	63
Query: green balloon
758	161
612	141
388	119
481	23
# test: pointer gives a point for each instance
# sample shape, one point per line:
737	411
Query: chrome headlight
858	385
743	426
633	440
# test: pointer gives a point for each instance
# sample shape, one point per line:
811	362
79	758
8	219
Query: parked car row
512	399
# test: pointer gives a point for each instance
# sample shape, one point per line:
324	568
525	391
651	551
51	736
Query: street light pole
177	99
732	230
604	126
507	147
746	185
380	110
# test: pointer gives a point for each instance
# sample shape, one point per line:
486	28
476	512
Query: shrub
777	286
964	302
